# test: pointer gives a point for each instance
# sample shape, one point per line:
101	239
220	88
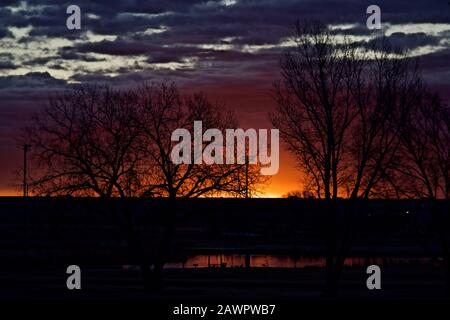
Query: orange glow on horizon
287	179
9	193
252	103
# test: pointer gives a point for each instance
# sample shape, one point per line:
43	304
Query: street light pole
246	177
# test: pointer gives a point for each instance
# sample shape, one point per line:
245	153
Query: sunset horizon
216	159
233	65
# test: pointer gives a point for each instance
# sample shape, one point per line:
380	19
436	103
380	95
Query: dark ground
40	237
406	282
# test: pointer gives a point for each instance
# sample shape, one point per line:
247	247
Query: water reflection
282	261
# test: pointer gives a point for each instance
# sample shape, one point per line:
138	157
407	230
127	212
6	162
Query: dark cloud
40	61
71	53
437	61
185	26
5	33
401	42
30	80
6	61
411	41
245	22
117	48
7	65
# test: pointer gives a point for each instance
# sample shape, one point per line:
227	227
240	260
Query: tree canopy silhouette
102	141
339	110
361	124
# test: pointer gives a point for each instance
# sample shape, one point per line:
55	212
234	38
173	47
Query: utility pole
246	177
26	148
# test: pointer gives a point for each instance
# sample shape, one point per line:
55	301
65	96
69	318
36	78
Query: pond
284	261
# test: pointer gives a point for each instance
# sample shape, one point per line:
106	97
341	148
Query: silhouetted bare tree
424	170
425	151
338	109
162	110
85	143
100	141
313	110
386	87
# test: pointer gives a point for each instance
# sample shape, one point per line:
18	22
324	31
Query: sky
228	49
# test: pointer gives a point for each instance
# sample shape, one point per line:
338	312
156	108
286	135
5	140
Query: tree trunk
340	243
165	244
135	246
446	225
442	221
330	289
